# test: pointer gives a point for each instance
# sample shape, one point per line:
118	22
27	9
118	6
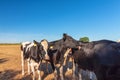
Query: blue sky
25	20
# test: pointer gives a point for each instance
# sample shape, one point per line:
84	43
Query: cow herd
99	60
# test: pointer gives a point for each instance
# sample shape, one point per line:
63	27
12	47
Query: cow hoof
23	74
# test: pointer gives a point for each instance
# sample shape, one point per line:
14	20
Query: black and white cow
36	52
24	56
102	57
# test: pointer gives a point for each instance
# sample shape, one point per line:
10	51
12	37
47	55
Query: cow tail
21	47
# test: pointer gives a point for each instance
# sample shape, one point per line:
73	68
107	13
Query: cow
84	74
58	51
102	57
36	52
118	41
24	56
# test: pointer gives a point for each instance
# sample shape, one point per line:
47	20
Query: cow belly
109	58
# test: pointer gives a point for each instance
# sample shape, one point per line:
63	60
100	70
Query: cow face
68	41
40	49
44	44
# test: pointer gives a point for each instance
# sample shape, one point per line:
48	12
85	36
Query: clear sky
25	20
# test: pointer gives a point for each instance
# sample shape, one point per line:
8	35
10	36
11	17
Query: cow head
44	43
68	41
40	49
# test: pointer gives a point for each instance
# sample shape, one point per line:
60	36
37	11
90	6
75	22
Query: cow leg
93	76
39	74
22	63
33	70
79	74
55	74
74	69
61	73
28	65
90	74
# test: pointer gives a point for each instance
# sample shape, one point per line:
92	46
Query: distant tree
84	39
118	40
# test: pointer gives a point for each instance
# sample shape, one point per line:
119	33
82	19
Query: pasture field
10	65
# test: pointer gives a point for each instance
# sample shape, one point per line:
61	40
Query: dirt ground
10	66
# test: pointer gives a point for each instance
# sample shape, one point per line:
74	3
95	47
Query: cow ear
64	36
35	42
51	47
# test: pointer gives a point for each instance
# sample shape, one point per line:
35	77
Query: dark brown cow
102	57
57	52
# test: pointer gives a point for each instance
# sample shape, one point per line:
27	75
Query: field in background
10	65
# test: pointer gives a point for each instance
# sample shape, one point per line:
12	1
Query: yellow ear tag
35	44
51	47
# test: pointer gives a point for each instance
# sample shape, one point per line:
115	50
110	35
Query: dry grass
10	65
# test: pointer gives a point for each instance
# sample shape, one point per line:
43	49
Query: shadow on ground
2	60
8	74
